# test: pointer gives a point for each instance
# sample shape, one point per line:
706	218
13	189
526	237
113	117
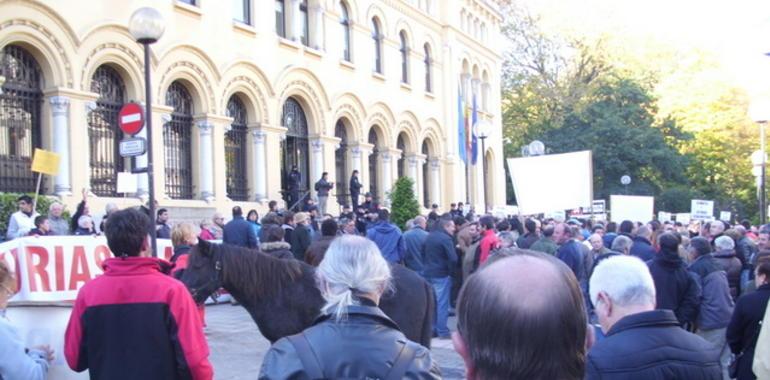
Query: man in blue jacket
439	260
238	231
388	237
642	247
415	242
641	342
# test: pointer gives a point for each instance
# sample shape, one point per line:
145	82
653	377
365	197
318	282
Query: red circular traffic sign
131	118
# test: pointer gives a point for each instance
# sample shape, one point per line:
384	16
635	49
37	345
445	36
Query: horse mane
256	273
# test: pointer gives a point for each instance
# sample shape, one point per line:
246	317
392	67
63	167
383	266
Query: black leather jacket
364	345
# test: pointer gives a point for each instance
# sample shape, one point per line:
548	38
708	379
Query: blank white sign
552	182
631	207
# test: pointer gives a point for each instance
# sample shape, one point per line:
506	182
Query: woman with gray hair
353	338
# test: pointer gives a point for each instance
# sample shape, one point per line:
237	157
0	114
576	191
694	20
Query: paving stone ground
237	347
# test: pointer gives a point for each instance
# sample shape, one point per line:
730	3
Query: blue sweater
389	239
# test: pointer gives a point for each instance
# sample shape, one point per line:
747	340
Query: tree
404	202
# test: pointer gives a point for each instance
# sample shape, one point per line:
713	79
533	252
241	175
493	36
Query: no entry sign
131	118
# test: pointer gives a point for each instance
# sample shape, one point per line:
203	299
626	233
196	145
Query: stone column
61	143
355	159
476	85
366	151
466	85
295	21
316	163
435	181
386	159
206	180
260	179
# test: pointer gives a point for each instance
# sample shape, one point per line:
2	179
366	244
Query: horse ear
204	247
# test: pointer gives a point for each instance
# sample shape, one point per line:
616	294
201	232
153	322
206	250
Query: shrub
404	205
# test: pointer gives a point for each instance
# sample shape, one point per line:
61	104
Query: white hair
724	243
55	204
620	243
84	220
625	279
352	266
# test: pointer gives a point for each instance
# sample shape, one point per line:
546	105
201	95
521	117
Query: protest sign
539	182
701	209
631	207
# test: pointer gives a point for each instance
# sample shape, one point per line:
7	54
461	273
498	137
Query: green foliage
8	206
404	205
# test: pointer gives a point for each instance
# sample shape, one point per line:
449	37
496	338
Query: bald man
522	317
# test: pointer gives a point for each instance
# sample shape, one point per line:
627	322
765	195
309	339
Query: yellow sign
45	162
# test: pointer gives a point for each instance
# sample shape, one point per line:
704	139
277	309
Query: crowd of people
535	298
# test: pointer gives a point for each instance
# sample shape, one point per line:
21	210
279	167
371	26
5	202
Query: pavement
237	347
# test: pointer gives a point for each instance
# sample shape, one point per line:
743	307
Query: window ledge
313	52
244	28
347	64
190	10
377	75
430	94
289	43
406	86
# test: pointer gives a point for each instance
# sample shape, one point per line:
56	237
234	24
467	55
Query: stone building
243	90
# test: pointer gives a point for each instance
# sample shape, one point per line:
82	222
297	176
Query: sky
736	33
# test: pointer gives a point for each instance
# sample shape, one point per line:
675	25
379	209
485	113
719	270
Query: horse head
203	275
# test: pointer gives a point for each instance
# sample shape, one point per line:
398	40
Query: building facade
243	90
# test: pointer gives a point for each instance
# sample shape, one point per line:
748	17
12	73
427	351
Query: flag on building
461	139
474	139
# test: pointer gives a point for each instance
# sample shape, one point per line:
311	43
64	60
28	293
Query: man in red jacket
135	322
489	241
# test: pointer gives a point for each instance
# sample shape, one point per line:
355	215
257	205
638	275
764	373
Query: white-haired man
641	342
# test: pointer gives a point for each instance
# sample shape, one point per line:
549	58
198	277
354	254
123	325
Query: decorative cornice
205	127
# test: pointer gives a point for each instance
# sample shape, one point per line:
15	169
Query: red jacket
487	244
135	322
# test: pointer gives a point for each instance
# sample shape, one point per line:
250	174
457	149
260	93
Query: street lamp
146	26
482	131
758	111
625	181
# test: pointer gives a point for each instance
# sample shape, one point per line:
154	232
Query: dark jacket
322	187
649	346
294	180
414	240
572	255
440	256
300	241
729	262
365	346
288	231
608	238
355	186
743	328
716	304
317	250
745	249
545	245
163	231
277	249
239	232
525	241
642	248
389	239
157	321
675	288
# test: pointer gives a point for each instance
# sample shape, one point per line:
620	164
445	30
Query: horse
281	295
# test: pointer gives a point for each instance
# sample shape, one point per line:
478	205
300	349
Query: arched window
401	145
294	149
104	134
427	62
373	188
305	37
377	39
404	49
340	162
177	141
345	24
19	118
280	18
235	151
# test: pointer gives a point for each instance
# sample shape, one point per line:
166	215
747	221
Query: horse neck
235	272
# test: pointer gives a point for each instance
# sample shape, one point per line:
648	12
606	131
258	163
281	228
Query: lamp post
625	181
146	26
759	113
482	132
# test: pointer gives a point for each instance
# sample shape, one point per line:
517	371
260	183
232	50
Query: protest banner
701	209
683	218
539	182
631	207
725	216
664	216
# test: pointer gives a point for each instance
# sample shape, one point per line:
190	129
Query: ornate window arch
177	140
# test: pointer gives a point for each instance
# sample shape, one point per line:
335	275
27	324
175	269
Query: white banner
664	216
631	207
683	218
552	182
701	209
52	268
725	216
